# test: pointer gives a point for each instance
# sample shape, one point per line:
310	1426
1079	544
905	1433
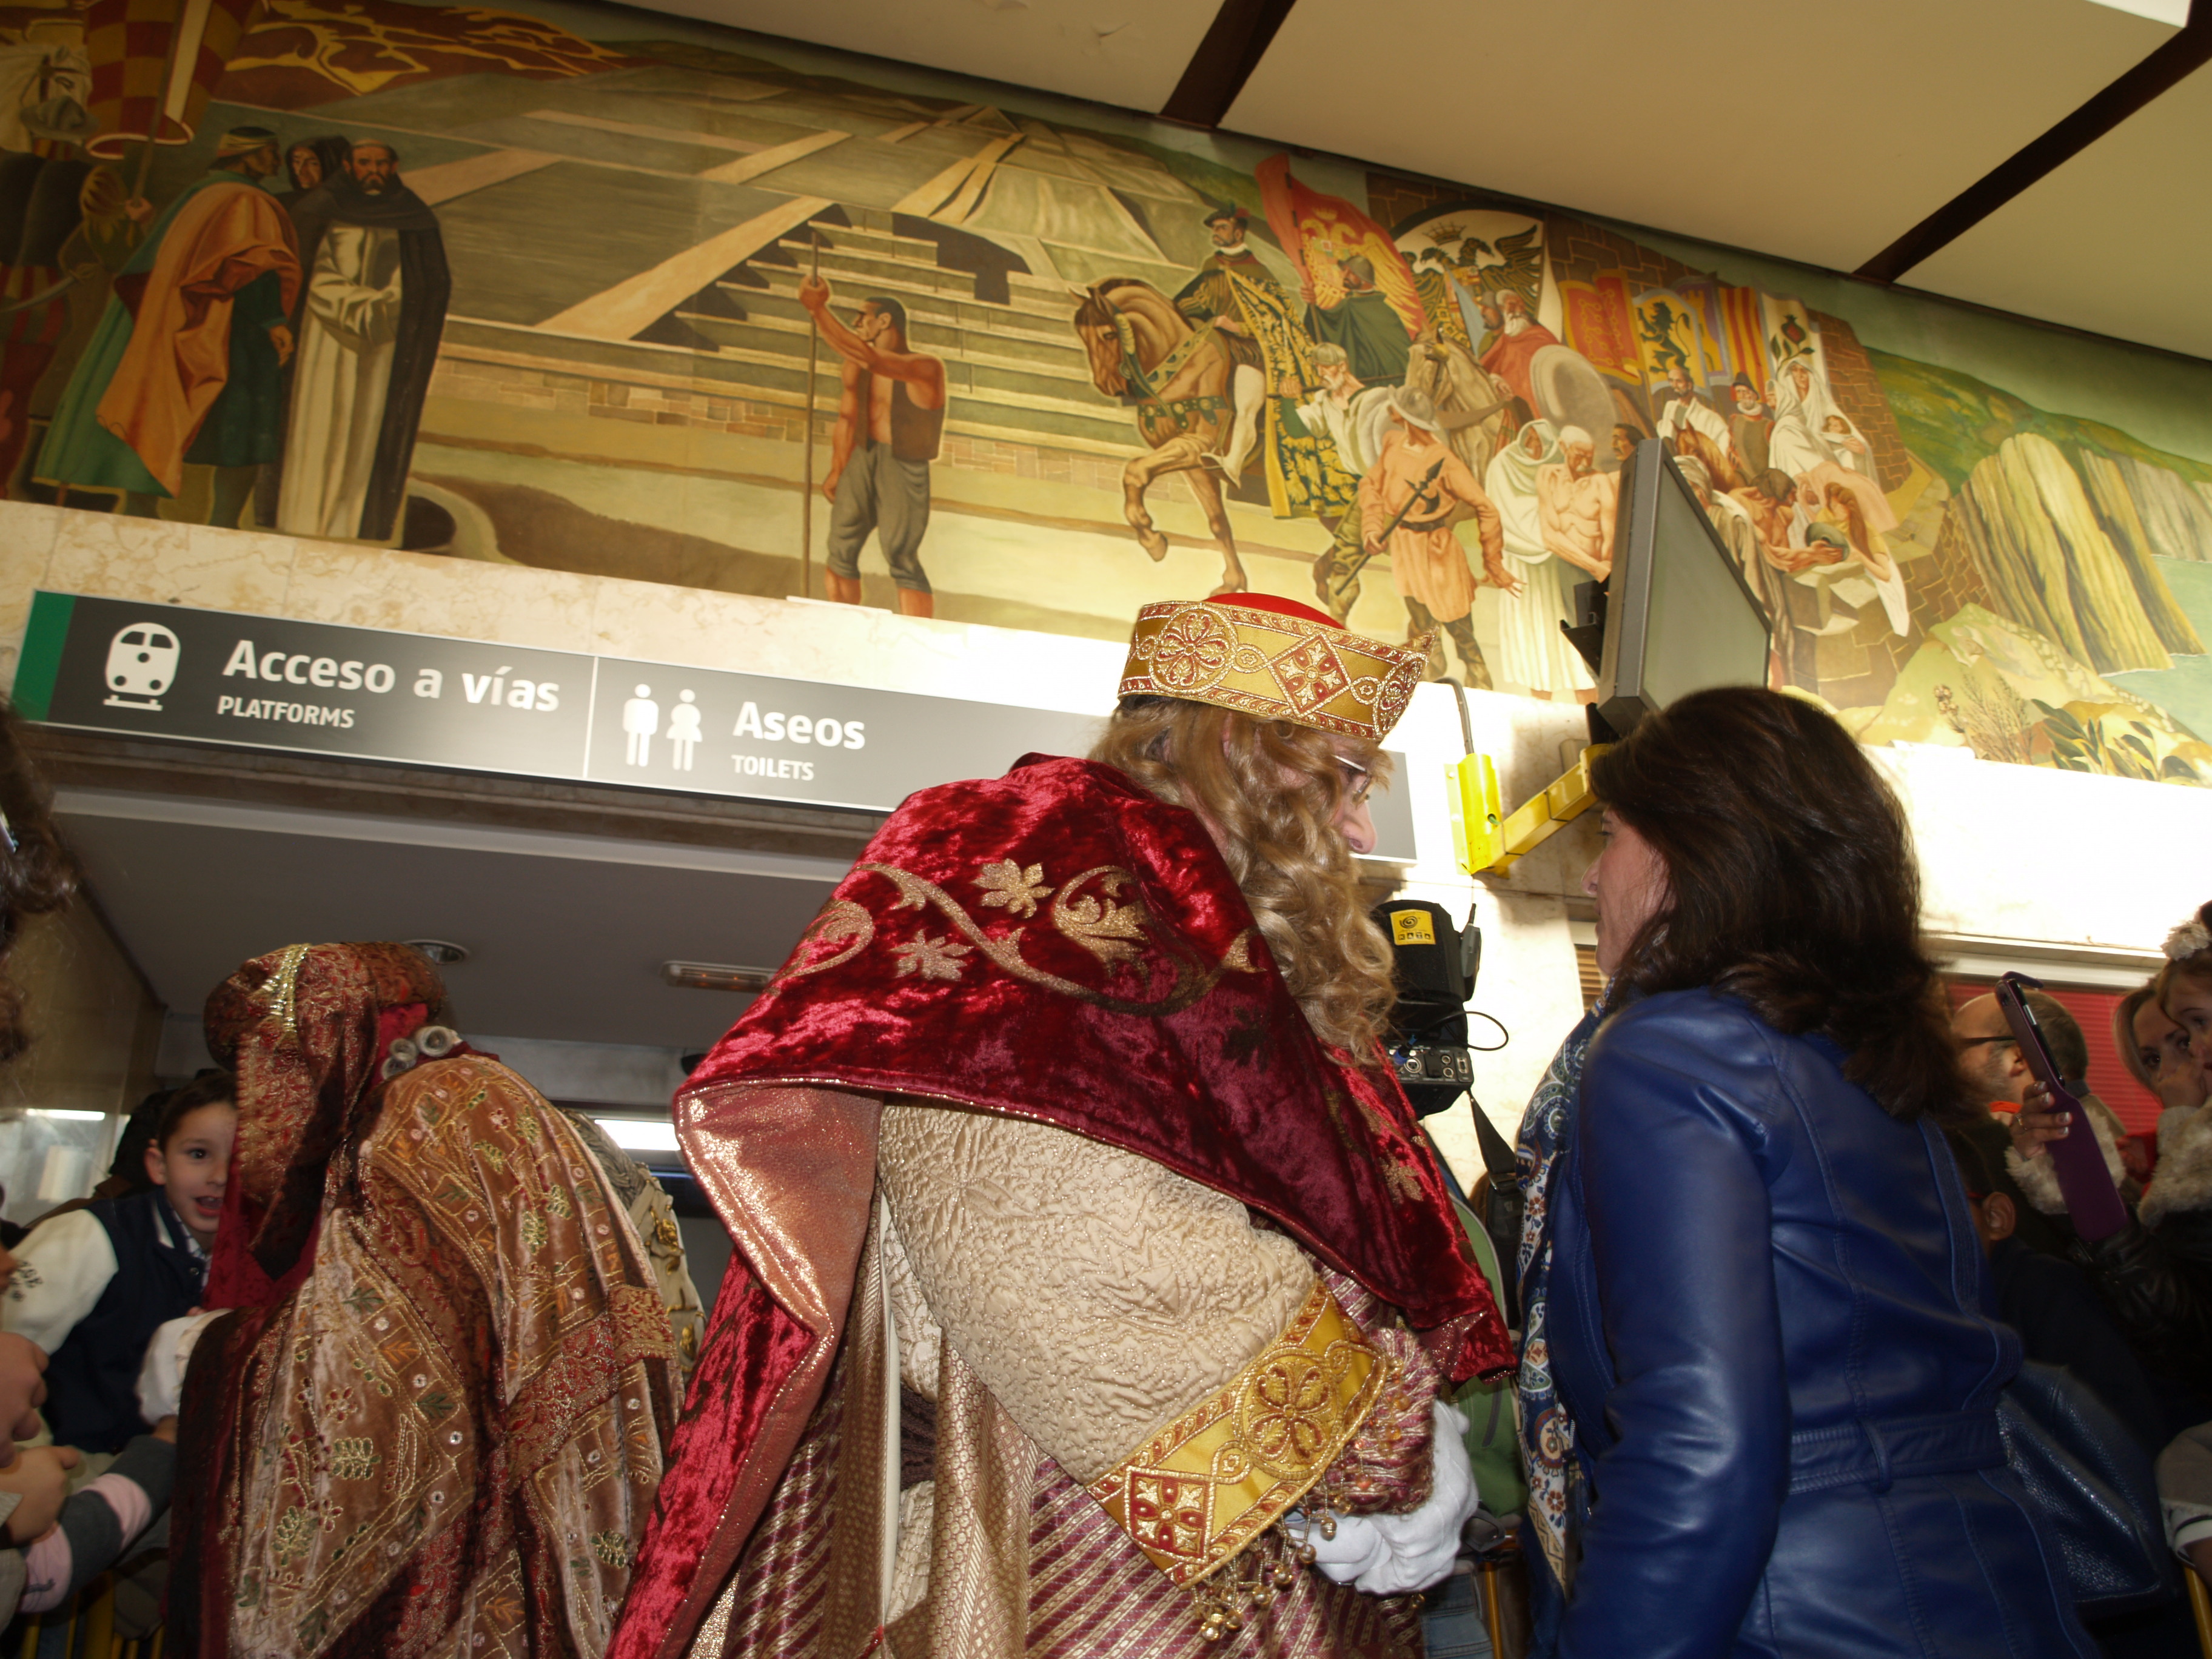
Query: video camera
1437	963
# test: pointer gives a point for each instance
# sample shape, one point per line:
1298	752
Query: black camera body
1437	961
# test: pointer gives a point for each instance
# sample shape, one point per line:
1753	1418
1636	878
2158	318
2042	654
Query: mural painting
593	290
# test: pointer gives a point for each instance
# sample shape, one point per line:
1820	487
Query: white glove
1390	1554
161	1378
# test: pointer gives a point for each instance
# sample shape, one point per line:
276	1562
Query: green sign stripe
41	660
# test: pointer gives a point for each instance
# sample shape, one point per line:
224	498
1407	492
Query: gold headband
1272	666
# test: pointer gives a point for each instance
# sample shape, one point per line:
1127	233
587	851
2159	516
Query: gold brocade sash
1200	1489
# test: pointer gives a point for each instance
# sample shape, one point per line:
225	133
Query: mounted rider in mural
1143	350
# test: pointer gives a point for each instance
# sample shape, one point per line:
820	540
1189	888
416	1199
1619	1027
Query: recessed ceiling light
638	1135
444	952
715	976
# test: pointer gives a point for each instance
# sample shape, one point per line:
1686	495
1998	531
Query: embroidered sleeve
1190	1368
1194	1494
1387	1467
1097	1294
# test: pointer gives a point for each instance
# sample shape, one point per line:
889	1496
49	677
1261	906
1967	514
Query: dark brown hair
1791	884
212	1087
36	873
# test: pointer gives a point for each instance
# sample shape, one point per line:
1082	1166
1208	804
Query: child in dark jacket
93	1284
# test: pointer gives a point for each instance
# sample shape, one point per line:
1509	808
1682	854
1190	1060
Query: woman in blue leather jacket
1765	1295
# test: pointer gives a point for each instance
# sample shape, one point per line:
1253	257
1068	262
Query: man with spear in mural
1417	491
891	418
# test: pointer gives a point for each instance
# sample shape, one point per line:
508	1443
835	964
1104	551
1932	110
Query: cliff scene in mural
601	292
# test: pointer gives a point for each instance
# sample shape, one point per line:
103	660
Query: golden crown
1273	659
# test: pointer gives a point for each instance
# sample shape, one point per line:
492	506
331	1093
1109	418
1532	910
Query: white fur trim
2038	1177
2183	1180
2191	938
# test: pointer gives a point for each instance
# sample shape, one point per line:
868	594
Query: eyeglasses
1357	781
2005	1037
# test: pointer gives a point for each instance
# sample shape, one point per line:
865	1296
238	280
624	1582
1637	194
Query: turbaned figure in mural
186	366
375	302
1095	1286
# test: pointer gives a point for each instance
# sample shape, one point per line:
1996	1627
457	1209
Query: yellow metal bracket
1487	845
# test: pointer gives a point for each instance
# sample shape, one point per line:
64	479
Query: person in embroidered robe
424	1413
369	323
995	1366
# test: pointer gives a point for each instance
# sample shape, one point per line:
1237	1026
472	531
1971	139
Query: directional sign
166	671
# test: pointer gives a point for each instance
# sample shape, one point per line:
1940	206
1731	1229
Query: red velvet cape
1056	945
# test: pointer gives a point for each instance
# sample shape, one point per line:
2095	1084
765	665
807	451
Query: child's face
194	1165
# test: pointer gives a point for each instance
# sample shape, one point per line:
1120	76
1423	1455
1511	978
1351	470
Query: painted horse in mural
1144	350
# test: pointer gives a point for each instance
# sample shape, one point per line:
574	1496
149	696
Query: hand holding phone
2093	1201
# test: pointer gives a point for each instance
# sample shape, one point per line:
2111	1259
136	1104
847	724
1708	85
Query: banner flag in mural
1324	234
1601	326
155	65
1741	327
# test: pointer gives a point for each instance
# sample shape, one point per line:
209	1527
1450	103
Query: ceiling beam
1241	32
2172	63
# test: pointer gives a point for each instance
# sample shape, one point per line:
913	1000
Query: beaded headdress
1273	659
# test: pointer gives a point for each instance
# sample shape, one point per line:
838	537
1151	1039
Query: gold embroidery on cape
284	990
930	957
1101	926
1007	884
839	921
1199	1490
1104	928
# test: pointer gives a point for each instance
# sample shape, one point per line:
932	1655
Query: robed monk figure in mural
1095	1287
377	287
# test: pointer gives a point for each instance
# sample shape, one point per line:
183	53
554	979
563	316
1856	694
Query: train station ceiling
2047	157
566	935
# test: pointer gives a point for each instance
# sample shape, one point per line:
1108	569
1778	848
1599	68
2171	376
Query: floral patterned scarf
1547	1433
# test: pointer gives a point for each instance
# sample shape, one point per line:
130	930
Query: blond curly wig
1269	791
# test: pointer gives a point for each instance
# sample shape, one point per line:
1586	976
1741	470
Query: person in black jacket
2051	1303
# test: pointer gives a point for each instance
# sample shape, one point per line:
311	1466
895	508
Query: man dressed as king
1273	355
1094	1288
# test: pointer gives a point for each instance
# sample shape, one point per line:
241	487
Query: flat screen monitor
1679	617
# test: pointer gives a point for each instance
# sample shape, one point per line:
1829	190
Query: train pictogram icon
142	664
